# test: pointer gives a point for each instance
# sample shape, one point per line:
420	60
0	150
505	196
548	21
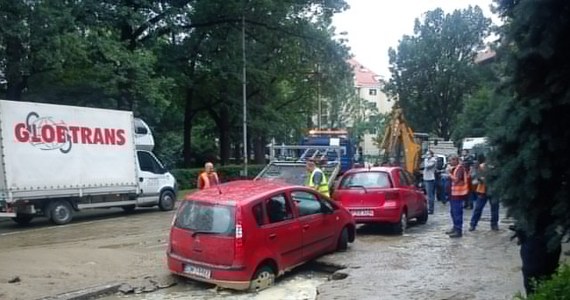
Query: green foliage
474	119
531	138
178	65
433	69
556	288
187	178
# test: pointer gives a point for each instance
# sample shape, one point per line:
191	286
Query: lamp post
244	96
319	113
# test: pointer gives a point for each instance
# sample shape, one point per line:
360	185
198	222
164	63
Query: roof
372	169
363	76
485	56
239	190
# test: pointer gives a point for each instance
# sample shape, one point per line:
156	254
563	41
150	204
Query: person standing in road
482	197
208	178
467	161
316	179
459	193
430	163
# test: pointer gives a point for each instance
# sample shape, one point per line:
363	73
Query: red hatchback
382	195
246	233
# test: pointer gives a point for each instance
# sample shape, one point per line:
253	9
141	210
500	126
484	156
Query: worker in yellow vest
317	179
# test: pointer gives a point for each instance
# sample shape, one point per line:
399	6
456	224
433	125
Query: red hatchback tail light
391	200
239	250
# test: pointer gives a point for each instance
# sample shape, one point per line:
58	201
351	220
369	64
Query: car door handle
272	236
306	226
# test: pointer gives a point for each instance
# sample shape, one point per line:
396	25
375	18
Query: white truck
57	159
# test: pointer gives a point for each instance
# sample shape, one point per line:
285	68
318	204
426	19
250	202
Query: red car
382	195
246	233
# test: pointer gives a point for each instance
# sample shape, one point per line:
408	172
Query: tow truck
288	162
338	137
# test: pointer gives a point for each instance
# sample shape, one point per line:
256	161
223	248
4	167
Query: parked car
246	233
382	195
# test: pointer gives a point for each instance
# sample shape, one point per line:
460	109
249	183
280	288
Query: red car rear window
367	180
206	217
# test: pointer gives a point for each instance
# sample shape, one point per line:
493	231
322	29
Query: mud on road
110	247
97	247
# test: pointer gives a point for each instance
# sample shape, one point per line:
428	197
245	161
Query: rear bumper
237	278
380	215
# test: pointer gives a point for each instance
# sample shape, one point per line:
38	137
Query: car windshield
367	180
205	217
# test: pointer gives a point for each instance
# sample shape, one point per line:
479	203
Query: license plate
197	271
362	213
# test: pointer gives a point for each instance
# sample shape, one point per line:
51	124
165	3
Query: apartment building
369	87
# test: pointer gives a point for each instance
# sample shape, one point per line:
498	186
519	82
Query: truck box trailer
57	159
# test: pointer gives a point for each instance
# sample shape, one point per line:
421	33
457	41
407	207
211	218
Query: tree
37	40
177	64
531	139
433	69
479	106
278	34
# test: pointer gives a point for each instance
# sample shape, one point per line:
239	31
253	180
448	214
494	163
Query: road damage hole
334	270
148	284
15	280
338	275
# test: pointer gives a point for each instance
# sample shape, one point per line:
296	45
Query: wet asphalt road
425	263
109	246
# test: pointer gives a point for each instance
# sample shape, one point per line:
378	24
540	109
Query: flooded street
108	246
300	284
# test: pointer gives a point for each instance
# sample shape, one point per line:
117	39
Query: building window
372	92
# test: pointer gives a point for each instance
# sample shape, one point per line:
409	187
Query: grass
182	193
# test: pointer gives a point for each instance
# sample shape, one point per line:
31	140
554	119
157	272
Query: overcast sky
373	26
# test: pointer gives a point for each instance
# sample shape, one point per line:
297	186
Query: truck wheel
166	201
23	219
60	212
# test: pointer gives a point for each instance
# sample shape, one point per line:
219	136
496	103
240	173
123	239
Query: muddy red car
382	195
246	233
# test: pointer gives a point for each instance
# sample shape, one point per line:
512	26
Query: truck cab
334	138
157	185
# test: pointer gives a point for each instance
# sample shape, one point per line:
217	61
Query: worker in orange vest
459	193
208	178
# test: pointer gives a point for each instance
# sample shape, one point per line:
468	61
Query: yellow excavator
401	146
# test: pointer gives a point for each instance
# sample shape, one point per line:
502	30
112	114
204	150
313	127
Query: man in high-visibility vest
208	178
317	179
459	193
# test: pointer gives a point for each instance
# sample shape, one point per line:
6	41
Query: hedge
187	178
558	287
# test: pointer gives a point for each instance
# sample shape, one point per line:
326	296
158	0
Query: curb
86	293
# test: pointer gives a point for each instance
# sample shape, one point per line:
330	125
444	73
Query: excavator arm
398	143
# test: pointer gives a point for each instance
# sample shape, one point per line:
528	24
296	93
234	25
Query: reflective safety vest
482	186
208	180
323	187
460	188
